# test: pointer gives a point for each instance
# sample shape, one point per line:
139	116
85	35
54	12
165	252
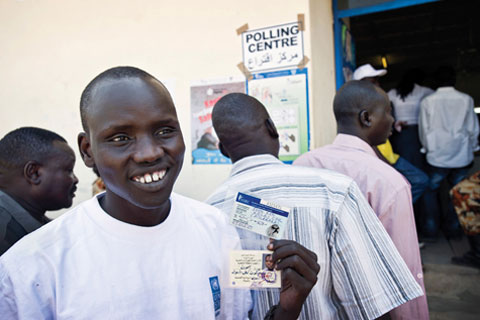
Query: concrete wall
50	50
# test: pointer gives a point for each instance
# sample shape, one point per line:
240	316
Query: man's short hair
353	97
26	144
116	73
445	76
237	111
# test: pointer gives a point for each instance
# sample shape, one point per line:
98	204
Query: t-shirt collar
252	162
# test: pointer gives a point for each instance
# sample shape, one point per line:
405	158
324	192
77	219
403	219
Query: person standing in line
406	98
362	276
466	201
416	177
36	175
448	129
364	120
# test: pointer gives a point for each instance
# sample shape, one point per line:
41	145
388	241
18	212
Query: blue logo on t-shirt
215	286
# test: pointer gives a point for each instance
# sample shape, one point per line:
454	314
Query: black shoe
469	259
427	238
456	234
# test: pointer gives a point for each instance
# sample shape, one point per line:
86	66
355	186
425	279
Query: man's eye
119	138
164	131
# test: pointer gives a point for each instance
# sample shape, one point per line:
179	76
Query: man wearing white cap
367	72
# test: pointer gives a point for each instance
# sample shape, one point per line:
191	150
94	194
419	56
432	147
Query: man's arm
299	274
369	276
472	126
4	220
423	124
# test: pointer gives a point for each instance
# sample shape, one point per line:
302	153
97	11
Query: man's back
387	192
448	128
326	219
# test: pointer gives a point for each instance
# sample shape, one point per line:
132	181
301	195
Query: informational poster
285	95
272	47
204	95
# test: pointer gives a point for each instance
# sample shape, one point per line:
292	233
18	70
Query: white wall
50	50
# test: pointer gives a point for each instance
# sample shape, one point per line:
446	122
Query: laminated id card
259	216
253	269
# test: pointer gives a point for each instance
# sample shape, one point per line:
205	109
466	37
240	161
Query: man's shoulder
199	212
8	205
365	169
463	95
325	175
56	233
197	206
313	154
5	214
331	156
453	93
291	186
290	175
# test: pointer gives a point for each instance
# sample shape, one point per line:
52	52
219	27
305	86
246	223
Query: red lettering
211	103
205	118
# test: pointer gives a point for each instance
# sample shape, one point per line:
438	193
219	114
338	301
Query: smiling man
36	175
127	253
364	120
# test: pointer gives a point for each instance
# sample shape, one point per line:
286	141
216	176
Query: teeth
150	177
161	174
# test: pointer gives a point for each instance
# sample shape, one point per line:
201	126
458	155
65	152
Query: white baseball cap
367	71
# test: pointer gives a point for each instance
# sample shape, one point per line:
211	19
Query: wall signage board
204	95
285	95
272	47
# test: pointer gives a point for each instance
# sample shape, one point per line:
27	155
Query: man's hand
398	125
299	274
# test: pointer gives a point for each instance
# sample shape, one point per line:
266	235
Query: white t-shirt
88	265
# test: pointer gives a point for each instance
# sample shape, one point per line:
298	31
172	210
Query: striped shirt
362	276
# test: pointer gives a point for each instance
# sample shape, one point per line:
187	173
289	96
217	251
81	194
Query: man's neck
353	131
244	155
127	212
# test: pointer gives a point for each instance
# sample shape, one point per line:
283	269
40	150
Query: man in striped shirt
362	276
364	120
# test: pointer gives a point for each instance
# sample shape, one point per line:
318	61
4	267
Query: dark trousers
432	217
417	178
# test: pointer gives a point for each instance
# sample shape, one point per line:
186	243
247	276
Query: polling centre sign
274	47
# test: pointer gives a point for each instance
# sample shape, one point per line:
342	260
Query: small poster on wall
348	50
204	95
285	95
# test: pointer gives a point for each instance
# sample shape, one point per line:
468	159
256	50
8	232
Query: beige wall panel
50	49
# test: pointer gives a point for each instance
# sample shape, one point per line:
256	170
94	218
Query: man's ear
272	130
85	149
365	119
31	172
222	150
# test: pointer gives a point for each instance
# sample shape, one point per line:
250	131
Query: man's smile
151	177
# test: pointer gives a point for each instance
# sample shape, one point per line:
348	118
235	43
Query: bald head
244	127
355	96
108	76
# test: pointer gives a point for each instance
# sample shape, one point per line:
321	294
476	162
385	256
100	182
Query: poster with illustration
204	95
285	95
